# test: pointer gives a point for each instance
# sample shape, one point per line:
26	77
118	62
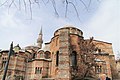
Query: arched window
41	55
47	55
73	58
57	58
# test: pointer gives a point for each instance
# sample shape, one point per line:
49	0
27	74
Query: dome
71	29
36	48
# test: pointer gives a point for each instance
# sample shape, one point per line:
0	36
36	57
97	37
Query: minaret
39	40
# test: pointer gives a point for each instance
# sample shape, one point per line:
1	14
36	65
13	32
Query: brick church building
56	59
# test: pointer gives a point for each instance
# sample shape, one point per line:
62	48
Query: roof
68	27
32	47
4	51
100	41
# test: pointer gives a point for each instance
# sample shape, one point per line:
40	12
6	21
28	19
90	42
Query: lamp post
7	63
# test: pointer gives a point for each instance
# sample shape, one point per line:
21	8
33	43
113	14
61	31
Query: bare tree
27	4
86	68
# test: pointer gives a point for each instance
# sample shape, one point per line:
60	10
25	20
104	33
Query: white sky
101	21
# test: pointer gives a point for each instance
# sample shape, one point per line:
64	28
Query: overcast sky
100	21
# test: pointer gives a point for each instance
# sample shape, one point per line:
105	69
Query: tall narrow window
98	69
4	62
57	58
56	41
35	70
73	58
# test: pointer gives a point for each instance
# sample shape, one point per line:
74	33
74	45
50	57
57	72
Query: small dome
36	48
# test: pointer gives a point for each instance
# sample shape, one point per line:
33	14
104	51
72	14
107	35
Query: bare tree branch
15	5
66	9
19	4
89	3
4	3
67	3
30	8
84	4
25	5
54	6
44	2
75	9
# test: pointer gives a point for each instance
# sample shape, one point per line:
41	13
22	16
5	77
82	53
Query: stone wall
64	51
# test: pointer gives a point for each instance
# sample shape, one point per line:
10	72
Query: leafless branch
44	2
11	3
15	5
67	3
66	9
89	3
30	8
37	2
4	3
19	4
24	5
84	4
54	6
75	9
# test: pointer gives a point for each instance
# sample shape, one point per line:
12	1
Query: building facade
59	59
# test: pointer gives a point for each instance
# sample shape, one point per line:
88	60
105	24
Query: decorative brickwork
61	59
64	65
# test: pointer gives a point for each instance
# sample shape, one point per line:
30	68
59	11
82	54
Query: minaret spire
39	40
40	31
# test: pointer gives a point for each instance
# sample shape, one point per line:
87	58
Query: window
57	58
99	50
41	55
47	69
47	55
19	78
38	70
98	69
4	62
73	58
56	41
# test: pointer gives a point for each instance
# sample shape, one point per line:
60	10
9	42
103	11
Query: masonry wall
54	47
16	68
107	48
107	70
65	41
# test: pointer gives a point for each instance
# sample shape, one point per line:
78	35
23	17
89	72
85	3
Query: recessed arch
57	58
47	55
73	59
